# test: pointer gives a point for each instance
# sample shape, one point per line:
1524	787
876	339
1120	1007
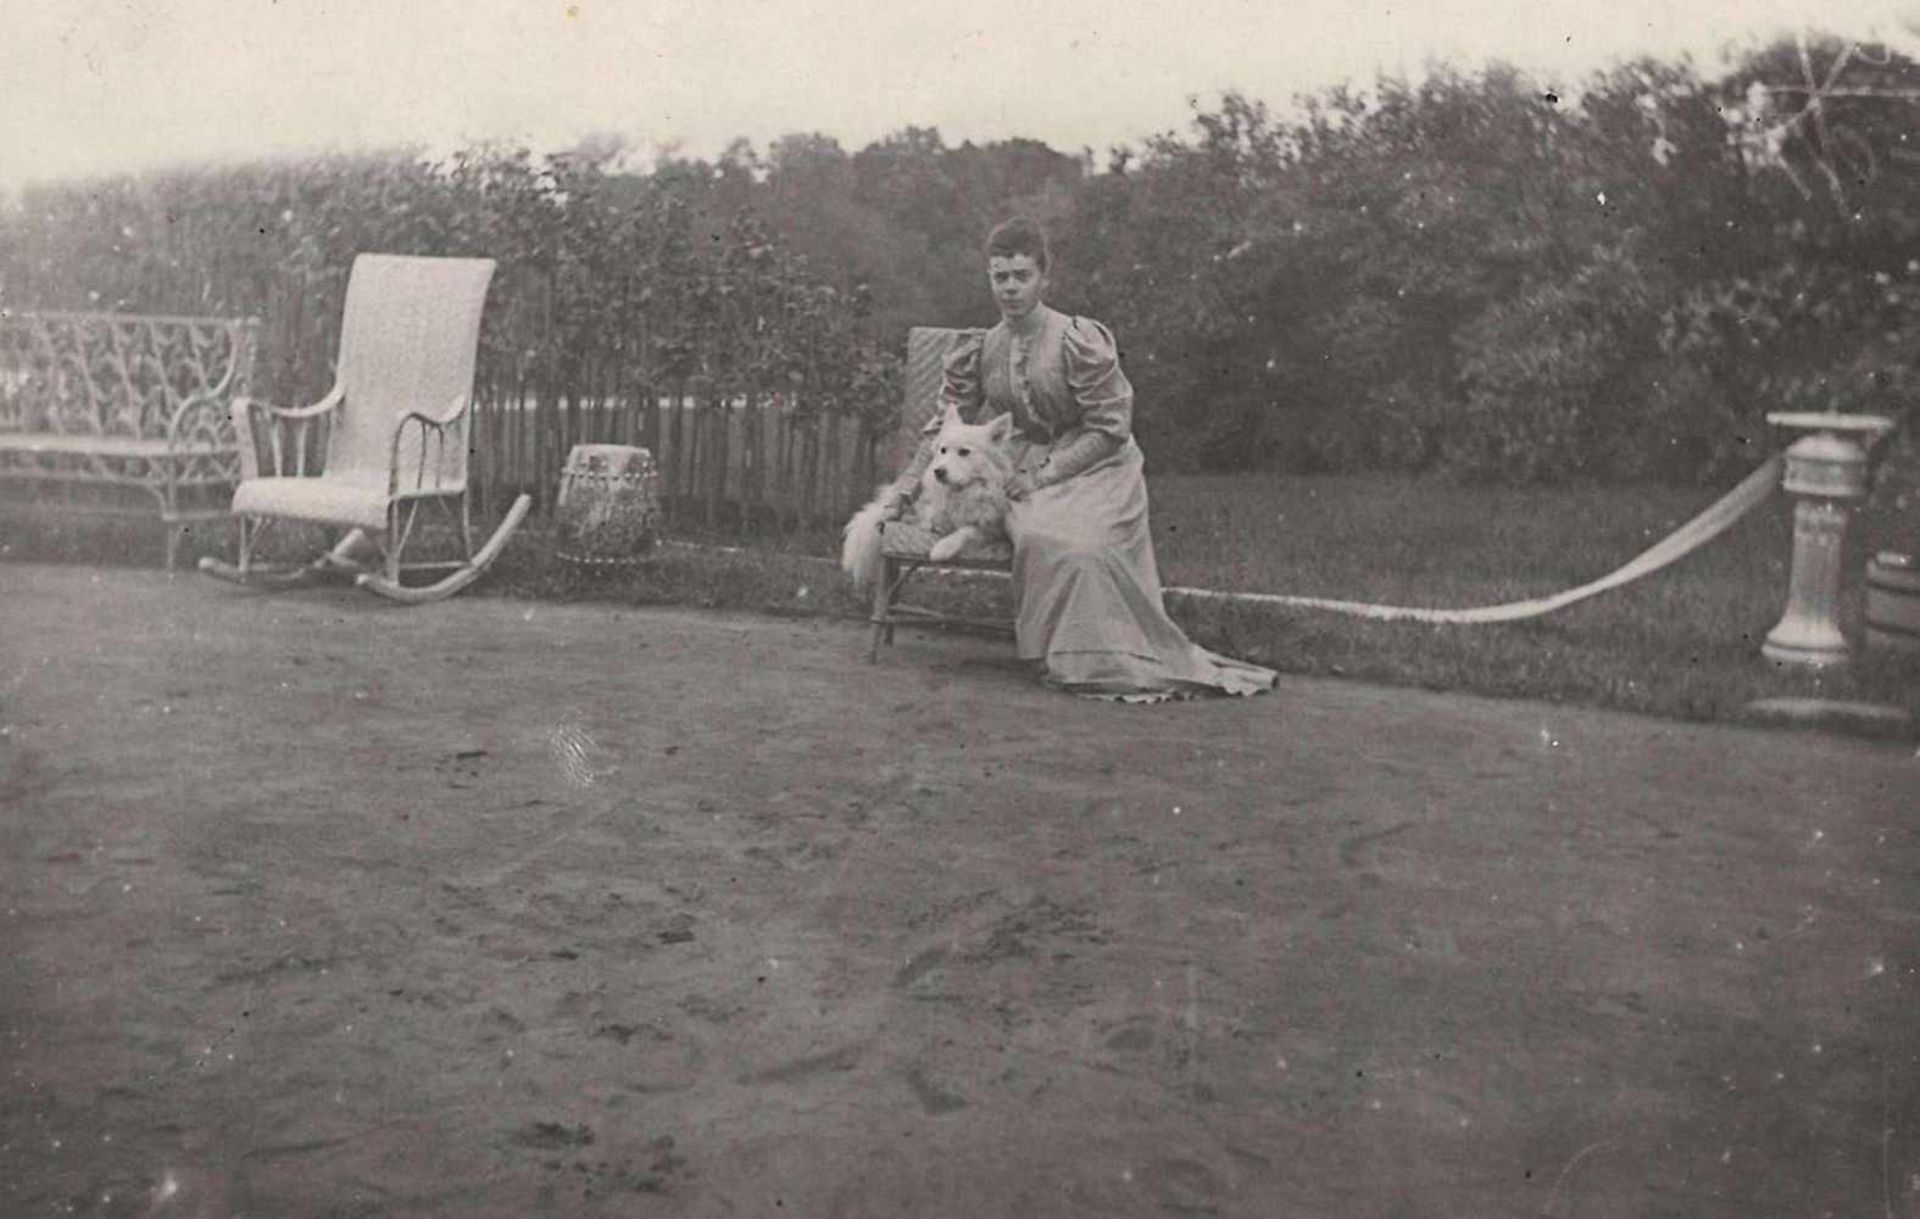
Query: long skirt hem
1089	594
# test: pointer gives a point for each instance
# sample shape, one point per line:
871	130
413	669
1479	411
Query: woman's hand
1020	486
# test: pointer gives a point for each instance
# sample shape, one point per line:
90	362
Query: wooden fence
754	464
549	376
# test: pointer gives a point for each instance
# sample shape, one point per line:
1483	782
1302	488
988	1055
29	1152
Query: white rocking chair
397	432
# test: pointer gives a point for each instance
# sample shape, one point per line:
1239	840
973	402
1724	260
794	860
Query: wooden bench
117	413
904	545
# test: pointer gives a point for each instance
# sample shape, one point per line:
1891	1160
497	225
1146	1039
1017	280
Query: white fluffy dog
962	497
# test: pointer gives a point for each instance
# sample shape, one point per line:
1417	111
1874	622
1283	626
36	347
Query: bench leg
883	593
169	520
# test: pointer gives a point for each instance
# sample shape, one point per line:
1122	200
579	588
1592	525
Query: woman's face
1017	282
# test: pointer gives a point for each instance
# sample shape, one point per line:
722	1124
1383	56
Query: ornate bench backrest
117	374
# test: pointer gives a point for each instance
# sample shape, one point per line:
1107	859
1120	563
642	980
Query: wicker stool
608	513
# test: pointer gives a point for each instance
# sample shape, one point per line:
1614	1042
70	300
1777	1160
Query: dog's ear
950	417
1001	429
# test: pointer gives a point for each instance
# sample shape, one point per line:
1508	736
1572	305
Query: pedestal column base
1808	649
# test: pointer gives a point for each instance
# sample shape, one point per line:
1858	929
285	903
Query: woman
1084	579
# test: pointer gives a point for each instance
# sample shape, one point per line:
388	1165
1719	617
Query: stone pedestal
1826	474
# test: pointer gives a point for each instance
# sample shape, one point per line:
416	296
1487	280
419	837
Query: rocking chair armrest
457	407
432	427
321	407
277	421
331	402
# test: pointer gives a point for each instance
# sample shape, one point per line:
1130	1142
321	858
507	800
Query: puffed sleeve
962	385
1102	394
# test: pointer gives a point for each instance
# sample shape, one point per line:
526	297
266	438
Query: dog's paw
947	547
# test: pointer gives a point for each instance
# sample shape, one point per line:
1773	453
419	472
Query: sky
110	86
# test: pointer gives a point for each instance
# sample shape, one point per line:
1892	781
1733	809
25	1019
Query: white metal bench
118	413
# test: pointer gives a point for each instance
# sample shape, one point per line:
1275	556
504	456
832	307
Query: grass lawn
1683	642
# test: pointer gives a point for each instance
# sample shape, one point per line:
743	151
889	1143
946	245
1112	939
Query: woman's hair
1020	235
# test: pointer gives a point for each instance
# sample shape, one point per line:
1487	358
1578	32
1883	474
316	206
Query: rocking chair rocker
398	426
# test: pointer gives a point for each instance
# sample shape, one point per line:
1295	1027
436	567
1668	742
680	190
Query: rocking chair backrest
408	340
927	350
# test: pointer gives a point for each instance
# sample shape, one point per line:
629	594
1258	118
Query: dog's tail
860	543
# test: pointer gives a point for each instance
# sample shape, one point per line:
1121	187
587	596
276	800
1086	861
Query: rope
1715	520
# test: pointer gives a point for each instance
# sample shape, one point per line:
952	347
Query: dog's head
968	453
